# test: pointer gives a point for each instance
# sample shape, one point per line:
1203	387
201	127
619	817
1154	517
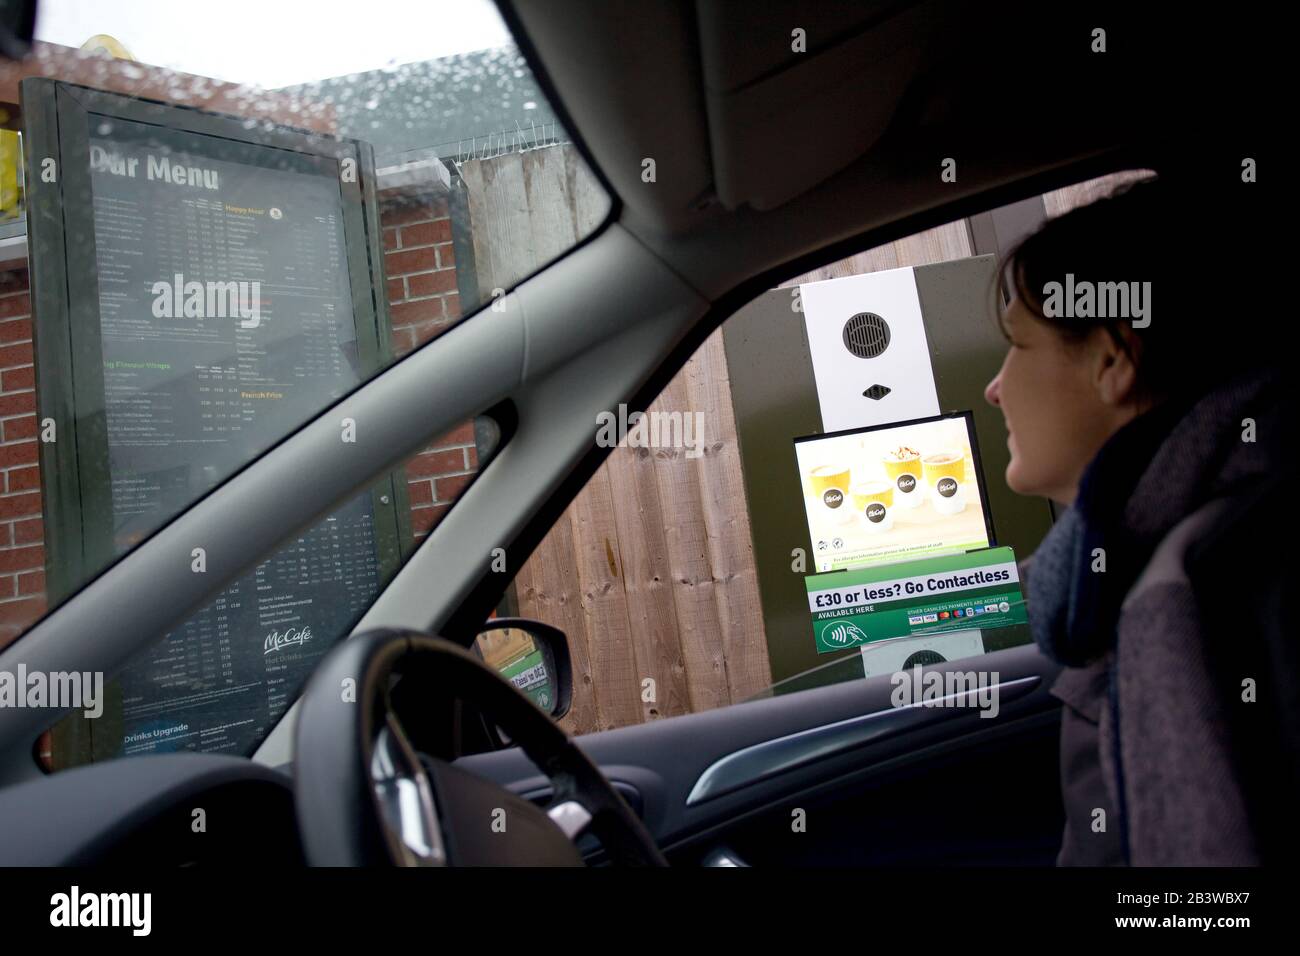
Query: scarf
1148	476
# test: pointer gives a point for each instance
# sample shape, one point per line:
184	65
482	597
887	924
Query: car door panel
869	776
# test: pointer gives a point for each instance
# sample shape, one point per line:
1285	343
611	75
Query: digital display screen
894	492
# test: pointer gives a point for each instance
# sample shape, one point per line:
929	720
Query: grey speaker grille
923	659
866	335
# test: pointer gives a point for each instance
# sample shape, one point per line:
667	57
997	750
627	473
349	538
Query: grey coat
1161	754
1183	803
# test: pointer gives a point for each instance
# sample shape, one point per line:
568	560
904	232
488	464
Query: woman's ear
1114	369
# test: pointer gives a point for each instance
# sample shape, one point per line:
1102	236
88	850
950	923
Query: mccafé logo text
276	641
833	498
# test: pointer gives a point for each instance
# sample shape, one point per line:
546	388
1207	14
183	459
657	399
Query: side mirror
531	655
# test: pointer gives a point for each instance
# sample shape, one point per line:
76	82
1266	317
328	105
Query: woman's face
1061	401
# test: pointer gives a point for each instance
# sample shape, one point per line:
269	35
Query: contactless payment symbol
843	634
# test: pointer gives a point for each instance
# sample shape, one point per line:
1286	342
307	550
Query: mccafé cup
874	503
903	469
830	484
944	473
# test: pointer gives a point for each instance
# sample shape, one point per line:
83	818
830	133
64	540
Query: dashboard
181	809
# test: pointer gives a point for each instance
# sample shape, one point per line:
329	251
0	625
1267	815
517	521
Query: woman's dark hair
1200	325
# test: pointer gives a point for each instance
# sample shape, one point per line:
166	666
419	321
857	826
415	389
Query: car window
207	237
841	668
782	515
219	682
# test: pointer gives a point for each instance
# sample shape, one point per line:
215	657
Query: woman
1138	396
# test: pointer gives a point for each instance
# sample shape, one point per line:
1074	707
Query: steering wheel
364	796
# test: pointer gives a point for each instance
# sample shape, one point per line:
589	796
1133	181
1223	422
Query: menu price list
220	682
226	312
225	321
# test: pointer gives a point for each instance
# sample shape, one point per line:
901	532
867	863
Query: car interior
732	164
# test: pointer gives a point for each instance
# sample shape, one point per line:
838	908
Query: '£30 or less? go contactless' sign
977	589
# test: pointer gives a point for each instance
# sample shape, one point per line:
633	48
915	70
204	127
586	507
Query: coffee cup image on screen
944	474
893	492
873	502
903	468
830	487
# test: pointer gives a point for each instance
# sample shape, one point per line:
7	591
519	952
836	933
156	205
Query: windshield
211	233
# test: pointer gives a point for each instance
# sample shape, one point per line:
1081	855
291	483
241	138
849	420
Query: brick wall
22	551
423	301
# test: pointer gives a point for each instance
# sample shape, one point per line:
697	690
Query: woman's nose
991	390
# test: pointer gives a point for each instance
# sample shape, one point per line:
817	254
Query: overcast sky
273	43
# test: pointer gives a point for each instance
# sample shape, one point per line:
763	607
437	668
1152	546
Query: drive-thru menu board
225	319
225	313
220	293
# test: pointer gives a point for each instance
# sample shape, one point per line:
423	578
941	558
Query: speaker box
870	356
